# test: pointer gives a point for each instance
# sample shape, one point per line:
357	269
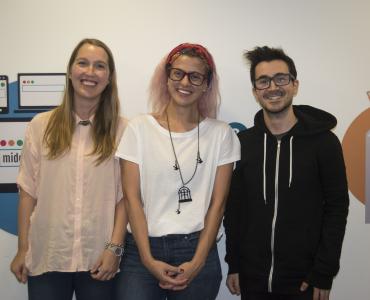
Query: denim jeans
61	285
135	282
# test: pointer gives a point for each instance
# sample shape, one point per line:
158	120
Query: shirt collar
78	119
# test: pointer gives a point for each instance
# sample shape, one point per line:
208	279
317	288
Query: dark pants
61	285
307	295
135	282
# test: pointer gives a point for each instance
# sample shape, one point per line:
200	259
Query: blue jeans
135	282
61	285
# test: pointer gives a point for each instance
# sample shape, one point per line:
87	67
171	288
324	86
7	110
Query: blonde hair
61	125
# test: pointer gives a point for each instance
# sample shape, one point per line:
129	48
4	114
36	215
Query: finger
174	280
179	287
166	285
316	294
172	274
237	287
24	275
304	286
95	267
172	269
98	275
324	294
111	276
18	275
230	286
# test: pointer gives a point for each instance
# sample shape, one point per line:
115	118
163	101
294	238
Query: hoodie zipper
274	217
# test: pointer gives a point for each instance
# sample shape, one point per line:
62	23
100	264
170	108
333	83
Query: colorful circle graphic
354	149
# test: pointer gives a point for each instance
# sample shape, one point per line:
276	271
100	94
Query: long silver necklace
183	192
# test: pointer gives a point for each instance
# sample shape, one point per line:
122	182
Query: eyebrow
97	61
266	76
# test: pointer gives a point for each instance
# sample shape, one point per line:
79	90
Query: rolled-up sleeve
30	162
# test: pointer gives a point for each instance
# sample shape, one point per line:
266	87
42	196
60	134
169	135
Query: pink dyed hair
159	97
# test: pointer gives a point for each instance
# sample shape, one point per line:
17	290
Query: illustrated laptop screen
4	94
40	90
11	144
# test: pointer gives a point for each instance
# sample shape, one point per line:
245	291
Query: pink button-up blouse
74	212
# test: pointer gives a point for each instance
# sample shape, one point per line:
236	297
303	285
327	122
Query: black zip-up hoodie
286	213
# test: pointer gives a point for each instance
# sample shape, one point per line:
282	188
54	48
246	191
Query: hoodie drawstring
264	168
290	160
264	164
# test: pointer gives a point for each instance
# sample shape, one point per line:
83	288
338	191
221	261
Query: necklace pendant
184	194
176	166
199	160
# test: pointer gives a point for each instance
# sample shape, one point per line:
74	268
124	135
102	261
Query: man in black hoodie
286	213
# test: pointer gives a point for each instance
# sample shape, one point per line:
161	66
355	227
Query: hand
232	283
166	274
106	266
318	294
188	271
18	267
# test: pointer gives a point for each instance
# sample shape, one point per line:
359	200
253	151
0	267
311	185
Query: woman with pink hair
176	164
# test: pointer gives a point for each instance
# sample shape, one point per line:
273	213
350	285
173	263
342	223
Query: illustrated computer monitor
40	91
11	143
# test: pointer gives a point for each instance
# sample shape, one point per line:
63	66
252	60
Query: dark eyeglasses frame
273	78
204	77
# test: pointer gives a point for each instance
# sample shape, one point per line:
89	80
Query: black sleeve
232	221
336	201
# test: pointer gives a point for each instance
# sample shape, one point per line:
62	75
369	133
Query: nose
273	85
185	80
90	69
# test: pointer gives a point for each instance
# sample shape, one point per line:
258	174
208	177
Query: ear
254	92
205	88
295	86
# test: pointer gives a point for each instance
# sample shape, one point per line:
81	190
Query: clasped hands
171	277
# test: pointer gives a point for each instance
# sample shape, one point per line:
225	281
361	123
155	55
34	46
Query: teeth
88	82
273	97
184	92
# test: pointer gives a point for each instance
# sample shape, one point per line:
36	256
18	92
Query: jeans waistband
171	237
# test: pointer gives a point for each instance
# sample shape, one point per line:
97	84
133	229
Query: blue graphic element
237	127
9	201
8	212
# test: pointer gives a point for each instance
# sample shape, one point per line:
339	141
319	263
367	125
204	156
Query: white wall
329	41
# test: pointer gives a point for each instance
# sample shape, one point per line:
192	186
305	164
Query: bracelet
115	248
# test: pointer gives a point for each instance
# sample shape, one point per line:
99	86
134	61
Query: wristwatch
116	249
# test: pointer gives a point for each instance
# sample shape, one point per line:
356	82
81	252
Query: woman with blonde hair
176	167
71	218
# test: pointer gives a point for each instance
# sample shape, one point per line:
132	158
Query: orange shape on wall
354	150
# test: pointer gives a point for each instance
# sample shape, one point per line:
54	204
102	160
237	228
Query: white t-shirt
146	143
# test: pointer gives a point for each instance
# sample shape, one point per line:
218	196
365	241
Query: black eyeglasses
280	79
195	78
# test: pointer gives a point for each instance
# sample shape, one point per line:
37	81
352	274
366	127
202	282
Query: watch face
118	251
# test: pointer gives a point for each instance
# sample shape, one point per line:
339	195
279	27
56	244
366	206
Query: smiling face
183	93
275	99
89	73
